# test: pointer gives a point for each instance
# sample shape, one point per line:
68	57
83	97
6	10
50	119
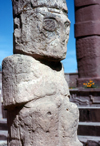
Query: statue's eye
49	24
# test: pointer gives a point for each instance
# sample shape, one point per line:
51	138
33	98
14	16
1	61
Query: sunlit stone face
42	32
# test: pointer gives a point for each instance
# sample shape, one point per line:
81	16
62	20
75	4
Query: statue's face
44	33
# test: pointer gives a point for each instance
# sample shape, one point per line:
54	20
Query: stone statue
41	28
35	92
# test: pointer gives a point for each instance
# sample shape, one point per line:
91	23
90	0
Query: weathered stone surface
25	79
68	129
96	80
86	128
87	21
87	33
85	97
92	143
89	13
90	114
88	56
88	63
71	79
19	6
88	28
42	122
80	3
44	116
90	140
35	92
37	123
41	29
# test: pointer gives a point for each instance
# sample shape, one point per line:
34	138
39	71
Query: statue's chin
56	52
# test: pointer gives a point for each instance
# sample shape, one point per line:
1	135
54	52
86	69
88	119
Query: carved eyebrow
65	11
54	10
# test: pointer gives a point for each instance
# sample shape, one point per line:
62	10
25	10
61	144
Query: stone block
88	28
37	122
88	13
41	29
3	136
93	140
36	97
41	122
89	44
88	63
71	79
85	97
92	143
87	32
96	81
89	129
3	125
35	92
26	79
89	115
81	3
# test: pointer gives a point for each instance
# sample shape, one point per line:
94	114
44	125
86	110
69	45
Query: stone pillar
87	34
35	91
0	106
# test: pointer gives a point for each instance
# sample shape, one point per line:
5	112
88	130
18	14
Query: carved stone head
41	28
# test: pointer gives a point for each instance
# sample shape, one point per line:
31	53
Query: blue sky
6	35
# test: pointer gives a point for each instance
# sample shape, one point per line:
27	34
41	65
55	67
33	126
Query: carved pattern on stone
87	33
95	99
78	100
88	64
50	28
84	100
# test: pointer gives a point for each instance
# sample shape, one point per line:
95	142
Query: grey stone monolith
35	92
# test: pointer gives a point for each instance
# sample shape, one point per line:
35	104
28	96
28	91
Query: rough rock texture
88	54
39	111
41	28
41	123
87	33
35	91
80	3
41	93
26	79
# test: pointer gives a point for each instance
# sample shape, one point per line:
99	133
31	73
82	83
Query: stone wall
71	79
